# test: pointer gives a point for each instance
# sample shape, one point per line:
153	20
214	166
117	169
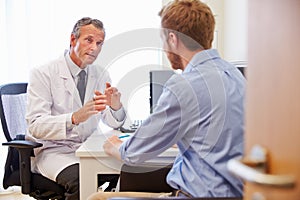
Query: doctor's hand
111	146
90	108
113	97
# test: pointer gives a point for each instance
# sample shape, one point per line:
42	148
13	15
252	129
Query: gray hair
86	21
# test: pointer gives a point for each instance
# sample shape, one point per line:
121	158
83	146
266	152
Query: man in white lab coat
63	110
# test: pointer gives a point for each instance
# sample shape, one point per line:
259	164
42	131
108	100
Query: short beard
175	60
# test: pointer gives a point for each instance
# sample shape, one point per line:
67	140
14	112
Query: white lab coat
52	98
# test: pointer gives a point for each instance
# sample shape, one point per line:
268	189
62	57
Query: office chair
17	167
145	178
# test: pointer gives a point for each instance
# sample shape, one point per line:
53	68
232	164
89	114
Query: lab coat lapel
91	84
70	84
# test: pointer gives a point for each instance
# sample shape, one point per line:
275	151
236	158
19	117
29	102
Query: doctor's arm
114	116
90	108
48	120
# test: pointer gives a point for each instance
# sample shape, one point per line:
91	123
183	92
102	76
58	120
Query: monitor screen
157	80
242	70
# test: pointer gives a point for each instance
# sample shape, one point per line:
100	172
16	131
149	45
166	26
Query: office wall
231	28
217	7
235	30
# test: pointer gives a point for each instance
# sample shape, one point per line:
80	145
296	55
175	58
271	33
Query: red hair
192	19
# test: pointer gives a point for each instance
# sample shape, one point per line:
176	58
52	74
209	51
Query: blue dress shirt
202	111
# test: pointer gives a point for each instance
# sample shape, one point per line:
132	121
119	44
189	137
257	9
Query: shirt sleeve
113	120
70	125
157	133
119	115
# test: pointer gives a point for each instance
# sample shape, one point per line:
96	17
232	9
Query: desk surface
93	146
93	161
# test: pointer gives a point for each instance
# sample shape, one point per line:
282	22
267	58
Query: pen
123	136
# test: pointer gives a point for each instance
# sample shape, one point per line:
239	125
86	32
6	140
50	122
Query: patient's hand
112	145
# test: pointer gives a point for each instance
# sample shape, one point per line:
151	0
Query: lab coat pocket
62	100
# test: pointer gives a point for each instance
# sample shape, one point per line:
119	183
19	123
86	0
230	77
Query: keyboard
135	124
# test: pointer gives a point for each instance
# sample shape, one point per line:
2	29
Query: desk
94	161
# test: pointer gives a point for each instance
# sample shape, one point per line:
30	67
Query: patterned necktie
81	85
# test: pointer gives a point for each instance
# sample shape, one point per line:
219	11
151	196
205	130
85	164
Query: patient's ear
172	40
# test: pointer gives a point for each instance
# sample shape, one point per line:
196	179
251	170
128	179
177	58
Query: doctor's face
85	49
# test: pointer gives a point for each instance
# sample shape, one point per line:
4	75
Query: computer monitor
157	80
242	70
240	65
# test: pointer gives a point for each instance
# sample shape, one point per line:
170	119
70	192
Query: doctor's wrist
74	121
116	107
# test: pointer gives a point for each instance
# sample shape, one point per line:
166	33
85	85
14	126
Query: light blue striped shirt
202	111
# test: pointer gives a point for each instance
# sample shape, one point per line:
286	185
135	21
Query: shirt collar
200	58
74	69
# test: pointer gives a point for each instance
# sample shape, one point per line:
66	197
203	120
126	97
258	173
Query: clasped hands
111	97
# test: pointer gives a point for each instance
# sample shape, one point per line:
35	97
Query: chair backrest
13	99
145	178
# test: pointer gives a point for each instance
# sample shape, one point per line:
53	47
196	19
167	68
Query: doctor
64	109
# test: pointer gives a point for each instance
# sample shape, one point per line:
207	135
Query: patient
200	110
